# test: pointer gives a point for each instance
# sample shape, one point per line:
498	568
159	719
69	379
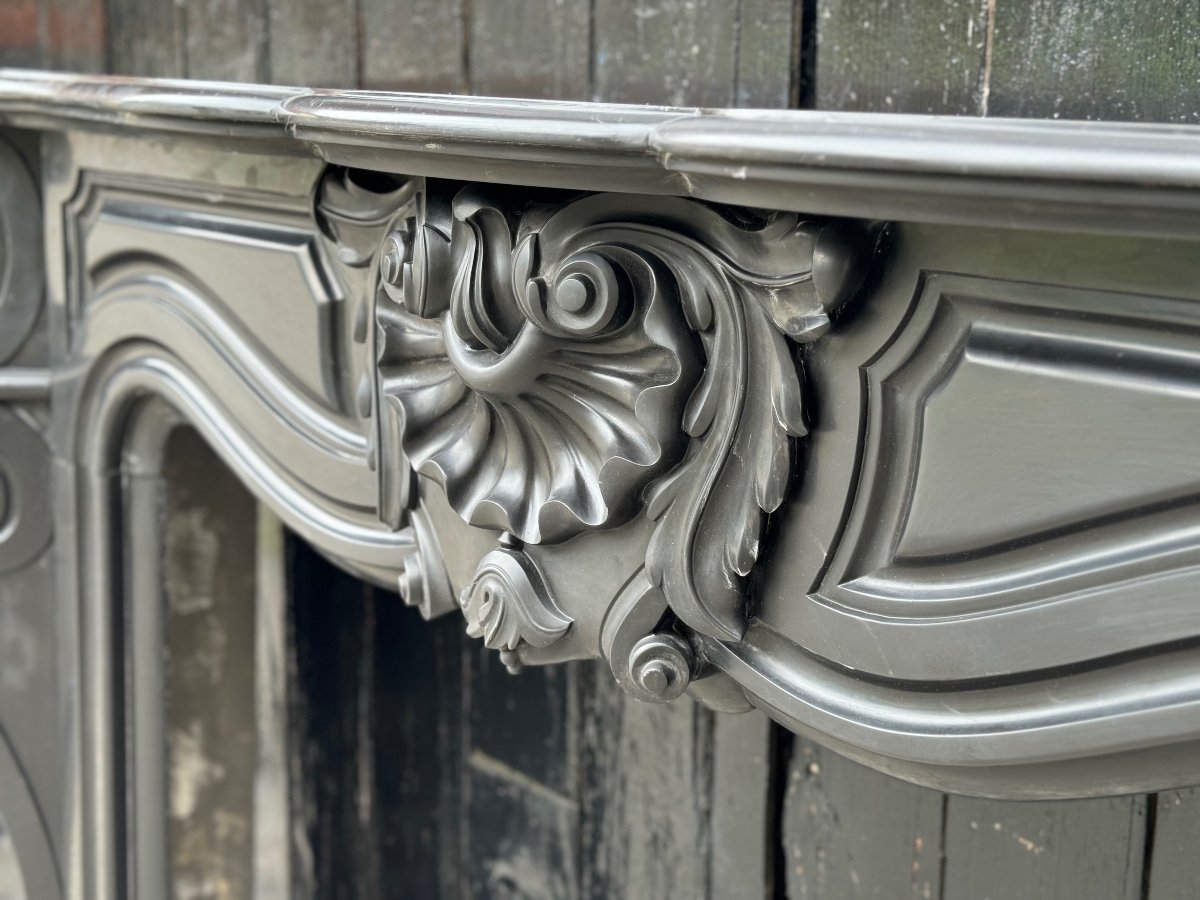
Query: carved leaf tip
509	604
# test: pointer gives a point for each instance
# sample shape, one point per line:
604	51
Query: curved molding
1035	741
319	447
25	516
132	374
24	824
973	515
1042	720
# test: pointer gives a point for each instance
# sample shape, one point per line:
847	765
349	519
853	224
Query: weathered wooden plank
413	45
20	40
209	567
524	721
647	775
72	34
912	56
522	835
418	735
313	42
1097	59
523	811
849	831
742	845
227	40
1174	862
768	31
332	734
272	838
679	52
1078	848
530	49
146	37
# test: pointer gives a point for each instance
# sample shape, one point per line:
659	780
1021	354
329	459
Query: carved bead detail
661	667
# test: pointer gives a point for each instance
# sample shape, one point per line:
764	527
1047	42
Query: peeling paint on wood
646	794
1075	848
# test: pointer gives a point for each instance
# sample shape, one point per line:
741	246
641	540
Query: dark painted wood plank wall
553	784
422	769
1070	59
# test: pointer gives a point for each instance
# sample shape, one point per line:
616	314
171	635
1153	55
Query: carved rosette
559	365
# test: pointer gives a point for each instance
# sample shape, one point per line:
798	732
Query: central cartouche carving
561	364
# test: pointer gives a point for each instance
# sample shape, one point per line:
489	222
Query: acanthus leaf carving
747	408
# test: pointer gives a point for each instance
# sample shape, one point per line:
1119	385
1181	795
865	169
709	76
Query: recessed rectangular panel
1049	422
285	299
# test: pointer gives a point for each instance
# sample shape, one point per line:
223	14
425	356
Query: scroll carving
561	365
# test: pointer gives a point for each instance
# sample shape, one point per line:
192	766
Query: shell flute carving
536	391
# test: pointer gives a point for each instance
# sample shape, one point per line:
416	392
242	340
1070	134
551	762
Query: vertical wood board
1174	864
911	56
227	40
1073	848
1097	59
530	48
313	43
146	37
647	794
413	45
674	52
849	831
766	53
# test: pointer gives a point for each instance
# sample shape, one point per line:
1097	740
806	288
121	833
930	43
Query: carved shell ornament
560	366
543	389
